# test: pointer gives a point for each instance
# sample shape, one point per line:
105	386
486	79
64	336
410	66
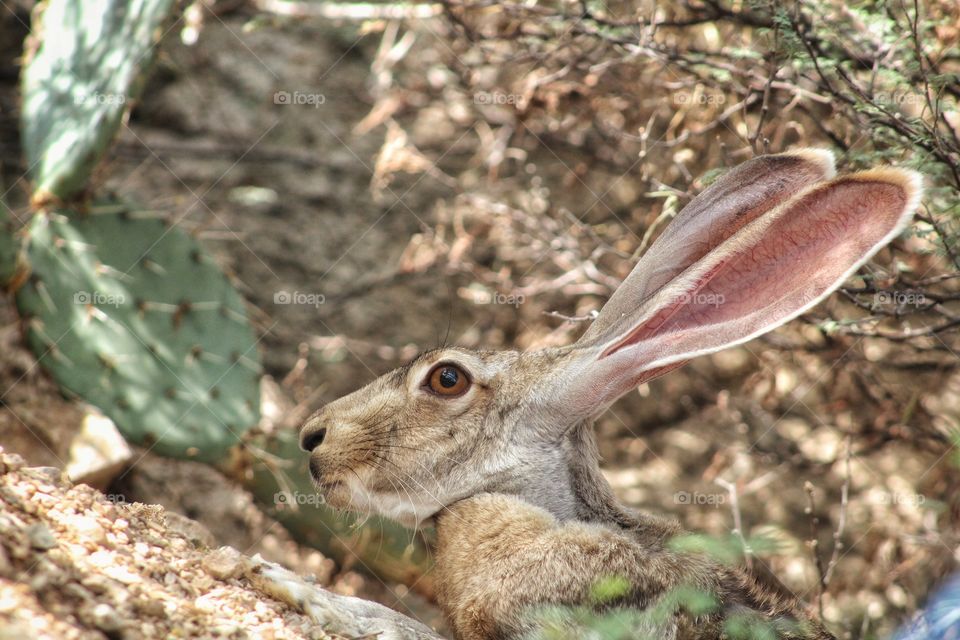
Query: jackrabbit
497	448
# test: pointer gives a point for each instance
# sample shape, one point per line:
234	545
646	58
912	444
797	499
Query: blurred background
377	179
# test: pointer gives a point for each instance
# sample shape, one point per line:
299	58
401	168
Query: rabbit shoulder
502	561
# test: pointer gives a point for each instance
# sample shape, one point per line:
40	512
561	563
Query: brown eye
448	380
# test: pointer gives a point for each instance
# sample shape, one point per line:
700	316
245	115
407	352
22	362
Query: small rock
40	582
316	633
192	530
9	602
76	590
226	630
98	453
122	574
51	475
10	462
96	583
105	618
224	563
88	529
40	537
149	607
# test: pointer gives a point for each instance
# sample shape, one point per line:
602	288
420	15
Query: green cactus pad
134	317
78	83
11	262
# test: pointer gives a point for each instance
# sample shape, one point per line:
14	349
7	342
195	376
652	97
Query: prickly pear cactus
78	82
11	260
134	317
125	312
130	314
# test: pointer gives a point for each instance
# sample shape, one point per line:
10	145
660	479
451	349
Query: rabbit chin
408	510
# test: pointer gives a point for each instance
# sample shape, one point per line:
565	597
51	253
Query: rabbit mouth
321	480
335	493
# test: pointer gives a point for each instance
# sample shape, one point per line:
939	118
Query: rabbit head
761	245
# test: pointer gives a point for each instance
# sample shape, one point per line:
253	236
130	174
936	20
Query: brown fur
509	470
529	559
498	554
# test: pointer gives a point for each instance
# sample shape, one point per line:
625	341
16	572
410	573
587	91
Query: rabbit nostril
313	439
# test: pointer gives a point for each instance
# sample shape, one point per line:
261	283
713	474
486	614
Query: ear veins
653	325
773	194
734	201
798	249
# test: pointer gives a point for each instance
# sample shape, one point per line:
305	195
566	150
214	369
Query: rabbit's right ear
737	267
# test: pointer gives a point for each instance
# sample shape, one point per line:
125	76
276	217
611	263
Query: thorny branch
812	76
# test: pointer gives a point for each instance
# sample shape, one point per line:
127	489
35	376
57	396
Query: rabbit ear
731	202
754	279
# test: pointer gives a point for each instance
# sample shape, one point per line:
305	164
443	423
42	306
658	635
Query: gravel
75	565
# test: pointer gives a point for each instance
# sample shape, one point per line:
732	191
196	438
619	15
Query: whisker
425	490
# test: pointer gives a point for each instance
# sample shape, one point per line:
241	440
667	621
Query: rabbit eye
448	380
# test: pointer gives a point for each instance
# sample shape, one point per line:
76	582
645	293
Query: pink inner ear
733	202
758	283
655	325
749	193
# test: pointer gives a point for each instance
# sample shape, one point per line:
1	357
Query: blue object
940	620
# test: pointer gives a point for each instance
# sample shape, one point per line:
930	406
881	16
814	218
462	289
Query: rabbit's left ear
764	274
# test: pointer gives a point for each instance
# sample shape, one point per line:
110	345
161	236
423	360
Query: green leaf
610	588
724	550
694	601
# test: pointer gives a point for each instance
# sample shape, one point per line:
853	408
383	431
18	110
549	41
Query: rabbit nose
312	436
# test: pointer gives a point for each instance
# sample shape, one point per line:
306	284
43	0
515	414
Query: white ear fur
828	230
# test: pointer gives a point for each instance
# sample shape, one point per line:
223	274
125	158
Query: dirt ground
285	195
74	564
